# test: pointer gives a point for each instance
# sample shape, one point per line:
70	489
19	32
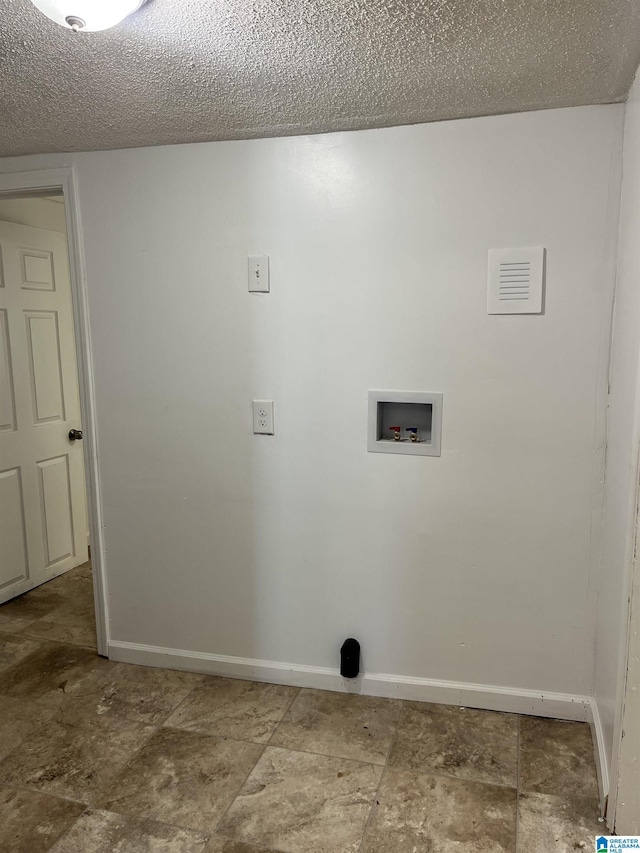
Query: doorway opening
48	588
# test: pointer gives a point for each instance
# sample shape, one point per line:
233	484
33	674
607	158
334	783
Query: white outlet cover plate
262	417
259	274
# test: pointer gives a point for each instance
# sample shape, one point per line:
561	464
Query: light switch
259	274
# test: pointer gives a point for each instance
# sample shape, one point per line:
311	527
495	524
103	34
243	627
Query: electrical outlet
263	417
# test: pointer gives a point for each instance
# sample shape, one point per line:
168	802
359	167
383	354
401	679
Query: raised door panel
55	500
14	564
36	270
45	368
7	393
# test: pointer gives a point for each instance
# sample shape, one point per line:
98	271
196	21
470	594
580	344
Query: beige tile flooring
97	756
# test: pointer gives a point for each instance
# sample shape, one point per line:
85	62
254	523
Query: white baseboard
602	766
562	706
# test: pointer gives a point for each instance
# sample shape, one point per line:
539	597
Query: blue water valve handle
414	433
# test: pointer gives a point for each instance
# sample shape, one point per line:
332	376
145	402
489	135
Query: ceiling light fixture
87	15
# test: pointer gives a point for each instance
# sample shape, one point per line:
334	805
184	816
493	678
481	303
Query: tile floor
97	756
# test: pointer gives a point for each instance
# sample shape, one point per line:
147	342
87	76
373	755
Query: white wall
623	438
472	567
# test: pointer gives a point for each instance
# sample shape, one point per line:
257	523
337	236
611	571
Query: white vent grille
515	281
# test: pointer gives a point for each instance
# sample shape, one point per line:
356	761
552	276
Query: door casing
54	180
620	763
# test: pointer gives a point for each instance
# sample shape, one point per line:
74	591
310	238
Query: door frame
631	609
64	179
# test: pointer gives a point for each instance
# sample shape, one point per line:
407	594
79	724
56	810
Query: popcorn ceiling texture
195	70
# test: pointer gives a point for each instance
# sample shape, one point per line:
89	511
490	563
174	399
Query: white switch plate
263	417
259	274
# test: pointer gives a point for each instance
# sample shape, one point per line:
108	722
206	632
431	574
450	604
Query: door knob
75	435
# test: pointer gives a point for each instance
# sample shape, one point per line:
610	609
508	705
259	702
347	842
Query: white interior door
43	516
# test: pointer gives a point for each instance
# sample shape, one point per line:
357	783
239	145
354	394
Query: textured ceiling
194	70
